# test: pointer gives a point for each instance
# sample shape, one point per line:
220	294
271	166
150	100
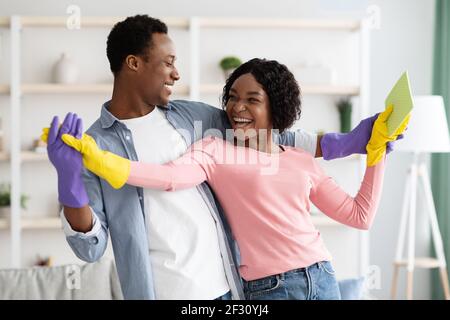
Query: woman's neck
261	142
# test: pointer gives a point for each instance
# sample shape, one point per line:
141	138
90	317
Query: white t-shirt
184	246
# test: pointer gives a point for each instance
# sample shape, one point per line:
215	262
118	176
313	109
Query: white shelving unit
34	223
195	90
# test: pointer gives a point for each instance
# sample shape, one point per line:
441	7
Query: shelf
55	88
306	89
34	223
30	156
41	223
86	22
26	156
174	22
349	25
43	88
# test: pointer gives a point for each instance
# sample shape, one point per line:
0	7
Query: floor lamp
427	133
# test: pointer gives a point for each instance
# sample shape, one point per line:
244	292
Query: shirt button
93	240
127	137
140	198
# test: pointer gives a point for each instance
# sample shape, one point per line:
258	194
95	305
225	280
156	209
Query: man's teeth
242	120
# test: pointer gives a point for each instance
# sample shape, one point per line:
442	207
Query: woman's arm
187	171
357	212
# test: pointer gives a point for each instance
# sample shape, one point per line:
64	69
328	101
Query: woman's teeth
242	120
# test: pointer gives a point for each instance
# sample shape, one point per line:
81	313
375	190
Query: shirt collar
107	119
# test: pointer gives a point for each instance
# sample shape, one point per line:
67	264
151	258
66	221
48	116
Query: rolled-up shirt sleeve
69	232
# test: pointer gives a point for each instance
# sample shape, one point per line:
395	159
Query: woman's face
248	106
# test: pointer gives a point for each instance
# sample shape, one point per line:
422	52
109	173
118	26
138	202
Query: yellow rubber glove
107	165
376	147
44	135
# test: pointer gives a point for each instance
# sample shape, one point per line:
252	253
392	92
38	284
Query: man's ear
132	62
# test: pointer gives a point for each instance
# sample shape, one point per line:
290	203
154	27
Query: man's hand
67	161
340	145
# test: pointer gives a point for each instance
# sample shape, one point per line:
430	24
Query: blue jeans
226	296
316	282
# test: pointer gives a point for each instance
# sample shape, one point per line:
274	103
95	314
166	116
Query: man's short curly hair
131	36
280	86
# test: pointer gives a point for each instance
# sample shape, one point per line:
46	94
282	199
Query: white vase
65	70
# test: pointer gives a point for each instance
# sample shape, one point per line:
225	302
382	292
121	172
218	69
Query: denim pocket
327	267
263	286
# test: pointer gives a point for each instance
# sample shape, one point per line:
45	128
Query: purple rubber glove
67	161
340	145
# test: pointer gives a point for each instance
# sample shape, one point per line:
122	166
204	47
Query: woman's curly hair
280	86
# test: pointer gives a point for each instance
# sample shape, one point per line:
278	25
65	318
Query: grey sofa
67	282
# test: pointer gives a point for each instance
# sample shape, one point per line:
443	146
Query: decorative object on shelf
43	261
315	74
229	64
5	201
39	146
345	114
65	70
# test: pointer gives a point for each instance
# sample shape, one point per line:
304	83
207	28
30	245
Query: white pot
65	70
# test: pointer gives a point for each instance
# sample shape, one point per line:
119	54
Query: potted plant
5	200
345	114
229	64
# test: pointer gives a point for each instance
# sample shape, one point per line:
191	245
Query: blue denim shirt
121	212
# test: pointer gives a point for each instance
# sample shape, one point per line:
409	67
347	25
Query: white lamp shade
427	129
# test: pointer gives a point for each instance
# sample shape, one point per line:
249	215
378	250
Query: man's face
158	74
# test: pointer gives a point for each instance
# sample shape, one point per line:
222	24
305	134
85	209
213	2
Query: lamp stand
417	174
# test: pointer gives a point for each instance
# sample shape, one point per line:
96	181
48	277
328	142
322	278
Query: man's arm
86	228
86	234
318	147
335	145
80	219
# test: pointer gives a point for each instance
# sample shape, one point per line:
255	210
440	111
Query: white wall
403	42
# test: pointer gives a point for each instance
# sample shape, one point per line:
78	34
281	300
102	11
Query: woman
264	188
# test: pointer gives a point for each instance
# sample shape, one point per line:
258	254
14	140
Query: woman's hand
109	166
376	147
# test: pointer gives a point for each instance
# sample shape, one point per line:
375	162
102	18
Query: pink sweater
266	198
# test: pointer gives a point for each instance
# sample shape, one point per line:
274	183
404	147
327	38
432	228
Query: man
173	245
